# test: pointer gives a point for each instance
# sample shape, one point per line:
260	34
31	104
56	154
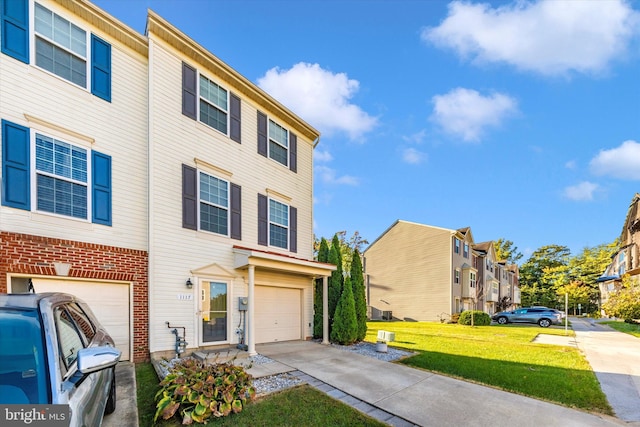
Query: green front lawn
628	328
501	356
298	406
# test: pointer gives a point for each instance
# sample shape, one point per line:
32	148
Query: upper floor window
621	264
213	104
466	250
278	143
278	224
46	174
214	204
61	47
61	178
472	279
456	245
456	276
206	101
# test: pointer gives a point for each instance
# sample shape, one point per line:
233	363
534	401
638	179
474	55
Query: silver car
543	316
54	351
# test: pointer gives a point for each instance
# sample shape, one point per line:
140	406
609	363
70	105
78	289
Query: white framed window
472	279
278	224
60	46
214	104
62	175
466	250
214	204
456	245
278	143
456	276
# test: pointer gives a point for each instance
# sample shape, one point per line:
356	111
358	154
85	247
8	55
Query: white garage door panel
108	301
278	314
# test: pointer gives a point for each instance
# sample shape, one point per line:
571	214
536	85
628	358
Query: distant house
421	272
627	260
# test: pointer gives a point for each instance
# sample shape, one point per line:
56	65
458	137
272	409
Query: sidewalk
423	398
615	358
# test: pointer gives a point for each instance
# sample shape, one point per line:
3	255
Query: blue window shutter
16	186
189	91
101	188
189	197
263	212
293	152
262	134
14	15
293	229
100	68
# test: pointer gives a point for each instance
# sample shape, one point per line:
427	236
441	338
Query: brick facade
35	255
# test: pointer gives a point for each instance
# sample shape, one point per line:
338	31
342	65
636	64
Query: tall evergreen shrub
336	279
357	283
323	256
345	324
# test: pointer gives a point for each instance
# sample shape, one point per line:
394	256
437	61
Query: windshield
23	372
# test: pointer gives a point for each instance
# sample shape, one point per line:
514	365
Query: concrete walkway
615	358
423	398
126	413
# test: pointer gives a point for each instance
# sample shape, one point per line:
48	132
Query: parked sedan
54	351
541	315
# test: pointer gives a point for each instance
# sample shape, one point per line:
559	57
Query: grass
627	328
298	406
503	357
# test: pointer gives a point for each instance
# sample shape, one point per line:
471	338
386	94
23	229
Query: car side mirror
95	359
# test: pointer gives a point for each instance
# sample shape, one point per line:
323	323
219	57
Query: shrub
345	322
202	390
454	318
480	318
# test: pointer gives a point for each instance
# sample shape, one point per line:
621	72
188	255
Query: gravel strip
369	349
274	383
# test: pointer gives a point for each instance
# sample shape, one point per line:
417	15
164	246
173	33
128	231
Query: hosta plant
199	391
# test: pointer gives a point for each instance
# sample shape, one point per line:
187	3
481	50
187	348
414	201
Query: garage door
108	301
278	314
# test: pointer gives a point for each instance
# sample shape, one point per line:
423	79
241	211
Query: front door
214	312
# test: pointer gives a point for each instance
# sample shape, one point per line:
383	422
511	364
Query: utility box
386	336
387	315
243	303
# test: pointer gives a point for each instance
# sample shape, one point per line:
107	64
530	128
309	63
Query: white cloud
622	162
571	164
467	113
549	37
329	176
322	156
413	156
320	97
581	192
416	138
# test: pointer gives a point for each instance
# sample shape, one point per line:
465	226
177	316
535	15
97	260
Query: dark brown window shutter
293	229
189	197
263	211
236	212
262	134
293	152
189	91
234	119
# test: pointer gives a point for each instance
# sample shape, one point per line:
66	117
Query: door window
214	312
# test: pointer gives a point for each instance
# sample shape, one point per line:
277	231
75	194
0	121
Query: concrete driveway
423	398
615	358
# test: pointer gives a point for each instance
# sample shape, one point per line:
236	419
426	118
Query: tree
323	256
506	251
541	273
357	282
336	279
344	329
625	302
348	247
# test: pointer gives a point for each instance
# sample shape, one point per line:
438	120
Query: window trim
227	208
32	46
199	98
287	227
270	139
34	172
456	276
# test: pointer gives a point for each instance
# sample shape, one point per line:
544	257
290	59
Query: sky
519	119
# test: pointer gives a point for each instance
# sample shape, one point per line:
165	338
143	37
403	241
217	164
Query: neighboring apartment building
421	272
146	176
627	260
73	105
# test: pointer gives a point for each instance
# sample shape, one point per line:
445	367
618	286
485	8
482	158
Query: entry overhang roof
245	257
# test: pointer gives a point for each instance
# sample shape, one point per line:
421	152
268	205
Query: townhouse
144	175
426	273
626	261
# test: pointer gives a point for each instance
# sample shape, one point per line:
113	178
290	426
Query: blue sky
519	119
